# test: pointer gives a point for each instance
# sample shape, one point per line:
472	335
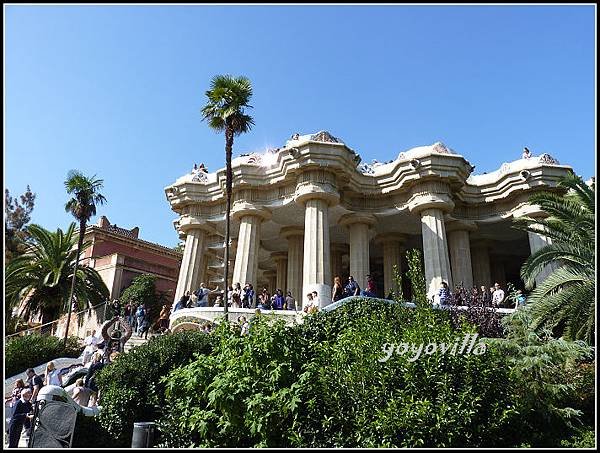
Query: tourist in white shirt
497	296
52	375
91	346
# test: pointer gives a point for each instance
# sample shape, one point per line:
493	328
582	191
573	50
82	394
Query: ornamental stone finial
324	136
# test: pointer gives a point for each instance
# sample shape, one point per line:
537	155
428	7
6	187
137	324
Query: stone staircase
135	341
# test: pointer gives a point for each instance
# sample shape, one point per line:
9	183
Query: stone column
431	200
460	251
295	237
281	261
194	258
498	271
480	258
248	245
392	256
536	242
271	277
358	228
316	190
337	252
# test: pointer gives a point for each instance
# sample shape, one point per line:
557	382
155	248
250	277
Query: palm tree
83	207
40	278
565	301
227	98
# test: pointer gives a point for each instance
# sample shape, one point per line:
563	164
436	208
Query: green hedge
33	350
321	384
129	387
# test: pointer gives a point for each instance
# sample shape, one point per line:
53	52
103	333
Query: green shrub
582	439
321	384
91	434
32	350
130	388
551	383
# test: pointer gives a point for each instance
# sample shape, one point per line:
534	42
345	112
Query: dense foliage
27	351
143	290
130	387
566	300
41	277
17	215
322	384
552	380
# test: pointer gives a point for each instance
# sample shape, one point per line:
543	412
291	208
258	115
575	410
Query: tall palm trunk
82	226
228	184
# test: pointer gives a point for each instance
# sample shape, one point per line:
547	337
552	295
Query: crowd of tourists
246	297
20	403
494	296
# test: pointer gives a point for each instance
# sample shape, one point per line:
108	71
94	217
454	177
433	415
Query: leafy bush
89	433
143	290
549	380
32	350
582	439
321	384
130	388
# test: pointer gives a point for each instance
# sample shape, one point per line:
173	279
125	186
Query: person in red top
371	290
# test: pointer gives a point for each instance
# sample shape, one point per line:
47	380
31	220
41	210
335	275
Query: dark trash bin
143	434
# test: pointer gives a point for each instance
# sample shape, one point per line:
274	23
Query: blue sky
116	91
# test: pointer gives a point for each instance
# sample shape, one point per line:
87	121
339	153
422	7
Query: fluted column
248	246
358	229
431	200
392	256
316	269
480	258
316	190
536	242
295	237
460	252
281	261
194	258
337	252
271	277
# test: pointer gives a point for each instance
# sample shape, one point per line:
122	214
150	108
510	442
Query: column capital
421	202
430	194
243	208
352	218
460	225
189	222
277	256
316	191
530	210
390	237
289	231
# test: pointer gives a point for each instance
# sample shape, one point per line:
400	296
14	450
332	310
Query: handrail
22	332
